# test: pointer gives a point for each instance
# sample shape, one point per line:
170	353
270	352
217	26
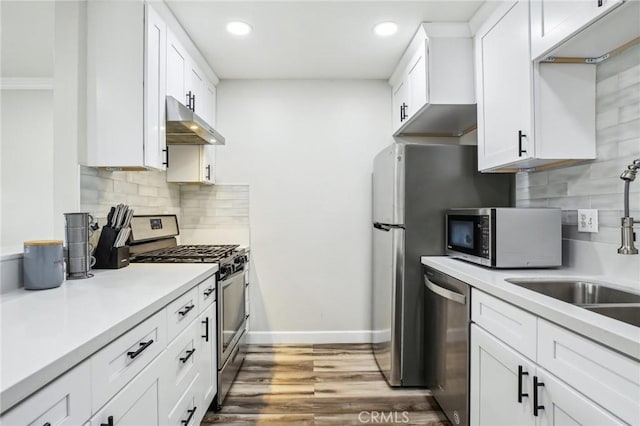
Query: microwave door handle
447	294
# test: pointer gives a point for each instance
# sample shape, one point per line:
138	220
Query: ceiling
309	39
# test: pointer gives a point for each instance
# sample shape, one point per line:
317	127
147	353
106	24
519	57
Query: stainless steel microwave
506	237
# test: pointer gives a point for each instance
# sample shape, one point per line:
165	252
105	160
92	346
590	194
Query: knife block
107	256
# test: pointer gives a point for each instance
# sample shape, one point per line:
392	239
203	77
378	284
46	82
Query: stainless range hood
185	127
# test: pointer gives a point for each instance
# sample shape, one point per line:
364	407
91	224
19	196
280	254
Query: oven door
231	314
468	237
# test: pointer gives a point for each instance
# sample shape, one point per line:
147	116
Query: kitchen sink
578	292
625	313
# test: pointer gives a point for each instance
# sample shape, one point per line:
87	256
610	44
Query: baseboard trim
308	337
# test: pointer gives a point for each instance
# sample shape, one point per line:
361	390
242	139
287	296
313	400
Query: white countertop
615	334
45	333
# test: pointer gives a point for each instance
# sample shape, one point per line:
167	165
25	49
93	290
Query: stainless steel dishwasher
447	316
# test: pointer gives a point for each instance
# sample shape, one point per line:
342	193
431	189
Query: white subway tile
568	203
125	188
606	152
630	112
607	118
150	191
607	86
629	76
629	149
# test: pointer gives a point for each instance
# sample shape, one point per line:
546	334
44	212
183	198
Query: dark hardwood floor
320	385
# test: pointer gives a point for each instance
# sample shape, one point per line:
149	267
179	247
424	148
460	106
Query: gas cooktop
189	254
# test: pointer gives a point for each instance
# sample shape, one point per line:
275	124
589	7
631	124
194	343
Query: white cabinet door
176	67
553	22
208	356
209	103
64	402
562	405
400	98
195	88
154	89
191	164
504	88
417	80
500	377
138	403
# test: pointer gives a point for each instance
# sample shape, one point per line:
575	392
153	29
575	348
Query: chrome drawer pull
143	346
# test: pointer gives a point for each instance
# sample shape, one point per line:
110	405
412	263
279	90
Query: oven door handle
443	292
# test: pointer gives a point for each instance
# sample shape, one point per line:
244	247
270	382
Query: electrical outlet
587	220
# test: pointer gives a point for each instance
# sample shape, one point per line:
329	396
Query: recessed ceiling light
385	29
238	28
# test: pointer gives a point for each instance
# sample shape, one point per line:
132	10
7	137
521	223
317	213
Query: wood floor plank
331	384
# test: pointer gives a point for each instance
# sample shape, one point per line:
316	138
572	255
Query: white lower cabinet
500	383
162	371
563	379
139	403
209	354
562	405
189	409
64	402
183	361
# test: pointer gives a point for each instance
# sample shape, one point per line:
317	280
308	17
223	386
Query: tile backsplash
146	192
596	184
214	206
197	206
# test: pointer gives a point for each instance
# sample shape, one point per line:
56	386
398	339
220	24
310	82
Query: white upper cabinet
529	115
191	164
553	22
126	86
505	96
176	66
432	85
187	82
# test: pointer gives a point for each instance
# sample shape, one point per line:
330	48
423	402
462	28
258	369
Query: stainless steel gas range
153	240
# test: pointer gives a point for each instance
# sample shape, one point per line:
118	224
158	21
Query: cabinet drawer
183	360
515	327
119	362
139	403
207	292
607	377
181	312
65	401
188	410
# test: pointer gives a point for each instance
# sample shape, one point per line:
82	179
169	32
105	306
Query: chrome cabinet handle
443	292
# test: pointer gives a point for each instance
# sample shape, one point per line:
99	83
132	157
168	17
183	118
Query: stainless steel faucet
627	222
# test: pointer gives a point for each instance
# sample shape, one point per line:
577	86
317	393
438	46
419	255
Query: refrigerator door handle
381	227
447	294
386	227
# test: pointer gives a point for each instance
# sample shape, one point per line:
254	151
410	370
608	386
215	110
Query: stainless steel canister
43	264
78	234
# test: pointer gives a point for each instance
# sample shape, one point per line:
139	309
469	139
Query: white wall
27	166
306	150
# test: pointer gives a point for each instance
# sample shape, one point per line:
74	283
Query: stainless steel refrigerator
413	185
